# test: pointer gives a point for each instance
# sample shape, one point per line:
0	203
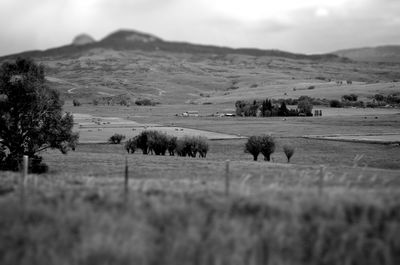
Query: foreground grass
281	226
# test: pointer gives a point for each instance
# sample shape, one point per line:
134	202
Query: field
336	202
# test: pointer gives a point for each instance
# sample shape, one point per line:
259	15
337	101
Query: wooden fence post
24	169
227	176
126	179
321	180
24	176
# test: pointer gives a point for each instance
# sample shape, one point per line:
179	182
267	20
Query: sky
301	26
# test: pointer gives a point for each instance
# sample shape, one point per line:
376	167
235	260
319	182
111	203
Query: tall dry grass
279	226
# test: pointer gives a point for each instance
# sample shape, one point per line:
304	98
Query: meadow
337	202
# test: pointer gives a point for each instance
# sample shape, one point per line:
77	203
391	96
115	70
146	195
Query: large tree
31	116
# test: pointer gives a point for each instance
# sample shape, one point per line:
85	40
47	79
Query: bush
351	97
334	103
145	102
116	138
267	144
253	146
76	103
289	151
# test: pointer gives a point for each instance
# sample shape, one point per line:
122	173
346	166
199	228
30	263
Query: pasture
176	211
337	202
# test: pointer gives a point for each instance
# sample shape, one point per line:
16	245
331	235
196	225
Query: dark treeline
267	108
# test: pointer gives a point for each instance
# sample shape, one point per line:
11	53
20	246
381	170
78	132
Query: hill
129	65
389	54
134	40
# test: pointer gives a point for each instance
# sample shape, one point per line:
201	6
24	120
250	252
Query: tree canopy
31	116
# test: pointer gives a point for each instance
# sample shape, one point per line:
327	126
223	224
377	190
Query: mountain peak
82	39
130	36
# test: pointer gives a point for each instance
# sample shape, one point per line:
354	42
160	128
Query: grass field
176	212
337	202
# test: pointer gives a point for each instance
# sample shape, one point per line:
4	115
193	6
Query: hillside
390	54
132	65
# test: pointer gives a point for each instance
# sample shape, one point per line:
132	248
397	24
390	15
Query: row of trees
265	145
158	143
266	108
31	116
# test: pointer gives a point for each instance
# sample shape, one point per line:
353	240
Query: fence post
24	176
227	176
24	169
126	180
321	180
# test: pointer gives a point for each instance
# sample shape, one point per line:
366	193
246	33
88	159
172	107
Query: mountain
134	40
129	65
389	54
82	39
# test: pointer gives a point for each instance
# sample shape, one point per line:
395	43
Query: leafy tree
289	151
305	106
253	146
130	145
31	117
283	110
267	146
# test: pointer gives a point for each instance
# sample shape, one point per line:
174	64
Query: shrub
253	146
116	138
289	151
95	102
76	103
267	144
334	103
379	97
145	102
351	97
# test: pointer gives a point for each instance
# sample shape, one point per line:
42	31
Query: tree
31	117
253	146
305	106
267	146
289	151
283	110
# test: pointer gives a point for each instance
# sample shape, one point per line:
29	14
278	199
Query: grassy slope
178	77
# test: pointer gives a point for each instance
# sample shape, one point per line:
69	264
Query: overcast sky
304	26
